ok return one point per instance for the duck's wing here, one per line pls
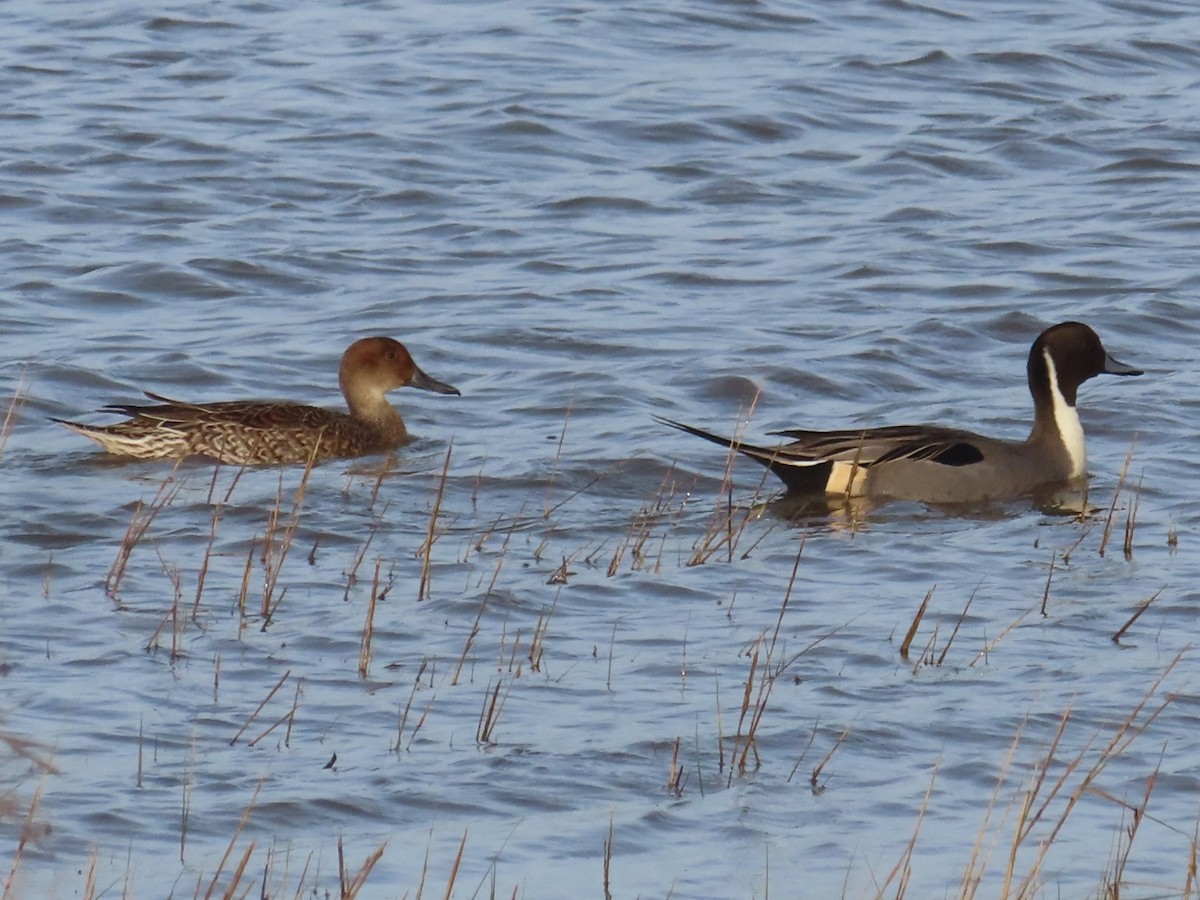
(875, 446)
(252, 414)
(812, 458)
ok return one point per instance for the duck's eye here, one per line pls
(391, 354)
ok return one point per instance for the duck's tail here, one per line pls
(796, 472)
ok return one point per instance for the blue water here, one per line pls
(582, 216)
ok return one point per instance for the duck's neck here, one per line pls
(1056, 420)
(373, 408)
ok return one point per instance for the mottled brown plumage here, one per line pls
(266, 432)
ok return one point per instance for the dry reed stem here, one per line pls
(408, 706)
(287, 717)
(454, 869)
(17, 401)
(957, 625)
(766, 681)
(384, 468)
(537, 648)
(1125, 733)
(720, 531)
(241, 825)
(991, 645)
(1126, 835)
(244, 590)
(185, 799)
(815, 779)
(364, 648)
(28, 832)
(1137, 613)
(272, 558)
(426, 551)
(812, 736)
(1112, 507)
(489, 714)
(1070, 551)
(973, 874)
(474, 633)
(259, 709)
(349, 887)
(139, 523)
(608, 856)
(89, 878)
(28, 750)
(547, 509)
(677, 774)
(291, 716)
(902, 871)
(916, 623)
(352, 575)
(612, 644)
(1046, 590)
(926, 656)
(203, 573)
(1131, 520)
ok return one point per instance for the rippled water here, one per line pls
(583, 215)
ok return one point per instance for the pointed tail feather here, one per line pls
(797, 473)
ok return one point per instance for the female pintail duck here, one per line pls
(258, 432)
(948, 465)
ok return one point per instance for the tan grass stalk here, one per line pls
(537, 644)
(241, 825)
(1112, 507)
(408, 706)
(721, 529)
(291, 717)
(185, 800)
(273, 556)
(364, 647)
(547, 509)
(489, 714)
(203, 573)
(1137, 613)
(14, 404)
(352, 575)
(812, 736)
(608, 856)
(28, 832)
(1046, 591)
(901, 873)
(957, 624)
(612, 644)
(973, 874)
(677, 774)
(1131, 520)
(458, 857)
(426, 551)
(916, 623)
(350, 886)
(991, 645)
(814, 781)
(244, 590)
(1036, 803)
(259, 709)
(1126, 836)
(139, 523)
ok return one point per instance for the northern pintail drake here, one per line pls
(934, 464)
(264, 432)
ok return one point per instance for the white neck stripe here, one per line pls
(1066, 419)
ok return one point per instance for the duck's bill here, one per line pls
(425, 383)
(1115, 367)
